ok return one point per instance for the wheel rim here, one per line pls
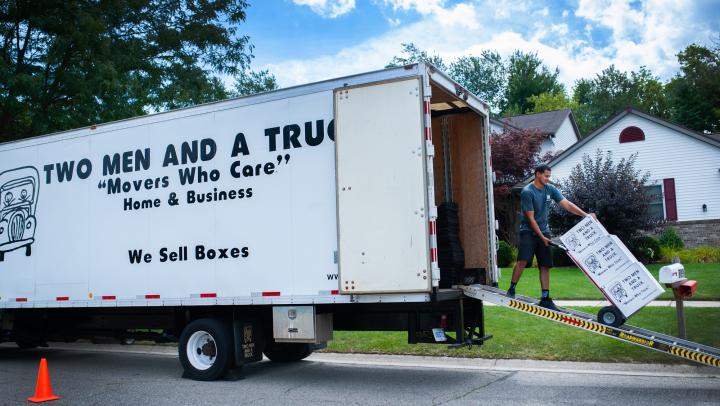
(201, 350)
(609, 318)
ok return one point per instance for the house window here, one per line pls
(631, 134)
(656, 208)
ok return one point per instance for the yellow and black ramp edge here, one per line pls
(559, 317)
(654, 343)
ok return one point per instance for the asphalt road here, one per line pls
(109, 375)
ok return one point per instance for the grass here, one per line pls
(570, 283)
(520, 336)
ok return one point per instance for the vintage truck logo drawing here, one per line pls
(618, 292)
(592, 264)
(19, 189)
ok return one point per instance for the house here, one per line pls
(558, 126)
(684, 169)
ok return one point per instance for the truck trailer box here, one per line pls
(321, 194)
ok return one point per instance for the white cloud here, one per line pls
(328, 8)
(565, 13)
(649, 36)
(394, 22)
(544, 12)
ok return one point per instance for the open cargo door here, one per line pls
(381, 188)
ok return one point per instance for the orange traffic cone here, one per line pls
(43, 391)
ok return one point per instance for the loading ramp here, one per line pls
(634, 335)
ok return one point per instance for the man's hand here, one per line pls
(545, 240)
(593, 216)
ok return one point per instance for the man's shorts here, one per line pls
(531, 245)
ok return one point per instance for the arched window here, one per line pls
(632, 134)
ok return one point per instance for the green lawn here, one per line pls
(518, 335)
(571, 283)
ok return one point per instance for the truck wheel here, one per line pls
(26, 345)
(287, 352)
(206, 349)
(611, 316)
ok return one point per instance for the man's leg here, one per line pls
(544, 263)
(545, 277)
(526, 252)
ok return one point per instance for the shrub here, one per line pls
(560, 257)
(646, 249)
(671, 239)
(505, 255)
(614, 191)
(702, 254)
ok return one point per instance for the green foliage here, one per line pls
(695, 94)
(505, 255)
(698, 255)
(645, 248)
(68, 64)
(611, 91)
(671, 239)
(252, 82)
(484, 75)
(527, 77)
(413, 54)
(615, 192)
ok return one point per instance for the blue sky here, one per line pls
(302, 41)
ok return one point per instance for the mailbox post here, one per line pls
(673, 276)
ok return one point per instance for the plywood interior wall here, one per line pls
(468, 181)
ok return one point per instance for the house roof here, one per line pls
(711, 139)
(503, 124)
(548, 122)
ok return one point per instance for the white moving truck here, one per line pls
(254, 225)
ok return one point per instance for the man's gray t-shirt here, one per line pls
(538, 200)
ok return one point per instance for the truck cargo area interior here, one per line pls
(460, 189)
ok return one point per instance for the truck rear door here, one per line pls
(382, 209)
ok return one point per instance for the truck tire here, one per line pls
(206, 349)
(287, 352)
(611, 316)
(26, 345)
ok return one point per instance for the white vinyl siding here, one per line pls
(665, 153)
(565, 136)
(495, 129)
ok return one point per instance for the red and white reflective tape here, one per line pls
(108, 297)
(265, 294)
(62, 298)
(328, 292)
(150, 296)
(21, 299)
(205, 295)
(428, 120)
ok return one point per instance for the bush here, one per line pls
(671, 239)
(505, 255)
(646, 249)
(702, 254)
(614, 191)
(560, 257)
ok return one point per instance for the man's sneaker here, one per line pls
(510, 294)
(548, 304)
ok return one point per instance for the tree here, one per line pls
(71, 63)
(611, 91)
(484, 75)
(514, 155)
(615, 192)
(252, 82)
(695, 95)
(527, 77)
(413, 54)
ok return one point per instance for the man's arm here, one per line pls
(572, 208)
(534, 225)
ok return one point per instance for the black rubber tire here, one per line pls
(26, 345)
(222, 335)
(611, 316)
(287, 352)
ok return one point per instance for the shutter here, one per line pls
(670, 201)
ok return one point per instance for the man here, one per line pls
(534, 237)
